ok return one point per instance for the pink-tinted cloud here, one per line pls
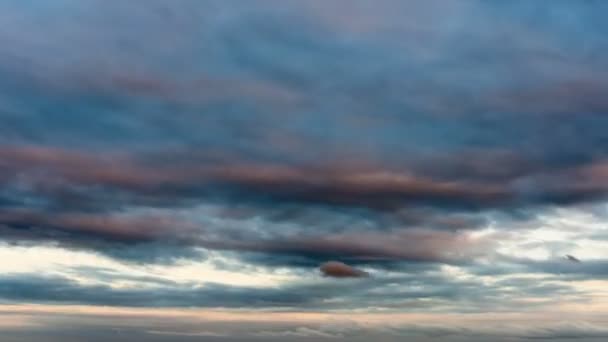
(336, 269)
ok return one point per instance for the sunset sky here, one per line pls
(303, 170)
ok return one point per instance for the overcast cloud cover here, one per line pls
(314, 170)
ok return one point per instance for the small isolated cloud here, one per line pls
(336, 269)
(572, 258)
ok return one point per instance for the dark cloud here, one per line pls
(135, 238)
(326, 184)
(573, 258)
(359, 212)
(69, 176)
(153, 237)
(336, 269)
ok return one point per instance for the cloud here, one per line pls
(120, 324)
(590, 269)
(336, 269)
(399, 137)
(136, 238)
(572, 258)
(161, 237)
(327, 184)
(427, 289)
(77, 178)
(406, 245)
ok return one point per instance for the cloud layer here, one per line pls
(444, 156)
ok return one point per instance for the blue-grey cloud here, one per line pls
(419, 292)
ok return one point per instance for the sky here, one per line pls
(303, 170)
